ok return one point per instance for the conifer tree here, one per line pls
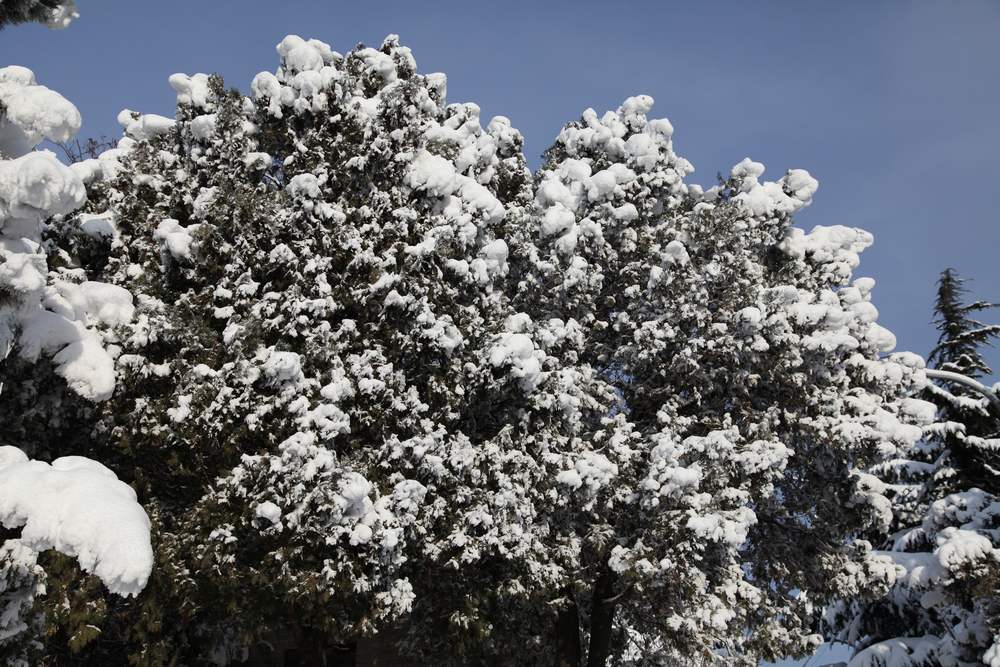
(970, 458)
(337, 419)
(379, 379)
(720, 488)
(940, 558)
(54, 327)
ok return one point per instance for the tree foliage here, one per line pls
(939, 558)
(376, 377)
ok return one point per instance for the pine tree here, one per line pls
(940, 556)
(959, 346)
(970, 459)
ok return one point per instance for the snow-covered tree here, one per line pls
(720, 490)
(38, 314)
(51, 324)
(970, 425)
(941, 555)
(76, 507)
(376, 378)
(53, 13)
(339, 419)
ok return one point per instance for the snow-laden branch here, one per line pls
(967, 382)
(48, 312)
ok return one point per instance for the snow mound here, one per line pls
(80, 508)
(32, 113)
(35, 186)
(48, 313)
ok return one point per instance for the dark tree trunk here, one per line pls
(602, 616)
(568, 653)
(342, 655)
(313, 649)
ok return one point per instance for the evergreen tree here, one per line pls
(376, 378)
(52, 346)
(959, 346)
(720, 488)
(337, 419)
(968, 423)
(940, 557)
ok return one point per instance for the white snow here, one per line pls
(80, 508)
(518, 351)
(269, 511)
(32, 113)
(77, 351)
(191, 90)
(35, 186)
(176, 239)
(52, 314)
(142, 127)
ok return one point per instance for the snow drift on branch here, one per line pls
(50, 312)
(80, 508)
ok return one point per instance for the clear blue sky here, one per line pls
(893, 106)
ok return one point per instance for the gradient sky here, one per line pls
(893, 106)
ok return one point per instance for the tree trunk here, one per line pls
(602, 616)
(313, 649)
(568, 652)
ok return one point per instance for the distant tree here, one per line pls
(940, 558)
(962, 340)
(960, 343)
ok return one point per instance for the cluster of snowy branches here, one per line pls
(370, 374)
(74, 505)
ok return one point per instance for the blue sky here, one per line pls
(893, 106)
